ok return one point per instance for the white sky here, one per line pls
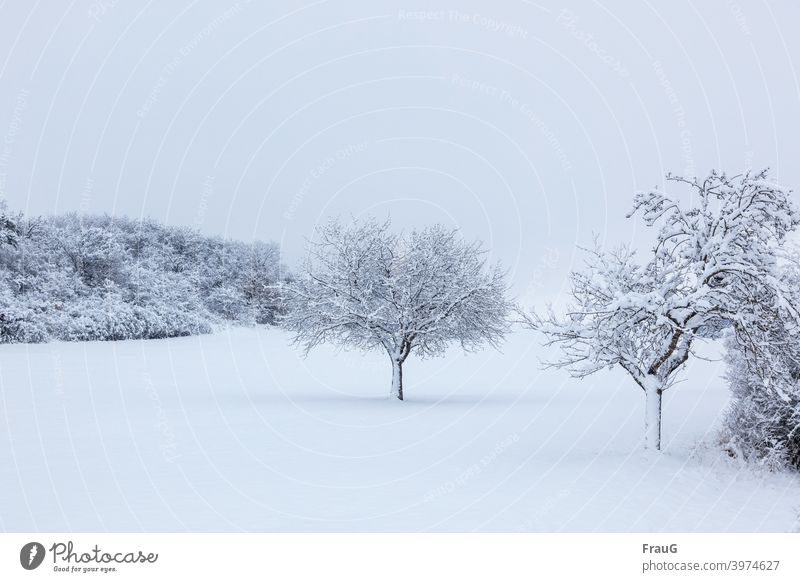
(529, 127)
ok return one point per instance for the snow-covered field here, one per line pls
(236, 431)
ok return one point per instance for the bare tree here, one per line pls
(361, 286)
(710, 265)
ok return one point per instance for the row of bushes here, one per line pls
(78, 278)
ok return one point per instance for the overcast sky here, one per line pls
(528, 126)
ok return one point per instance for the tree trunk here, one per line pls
(652, 415)
(397, 379)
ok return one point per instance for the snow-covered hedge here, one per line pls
(762, 424)
(77, 278)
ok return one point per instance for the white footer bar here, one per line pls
(400, 557)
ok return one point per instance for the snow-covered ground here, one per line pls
(236, 431)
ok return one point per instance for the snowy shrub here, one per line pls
(21, 322)
(762, 424)
(228, 302)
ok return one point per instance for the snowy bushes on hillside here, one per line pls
(713, 267)
(364, 287)
(74, 278)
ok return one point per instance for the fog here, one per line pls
(527, 126)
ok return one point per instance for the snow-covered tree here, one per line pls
(8, 227)
(362, 286)
(259, 278)
(712, 263)
(93, 250)
(762, 423)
